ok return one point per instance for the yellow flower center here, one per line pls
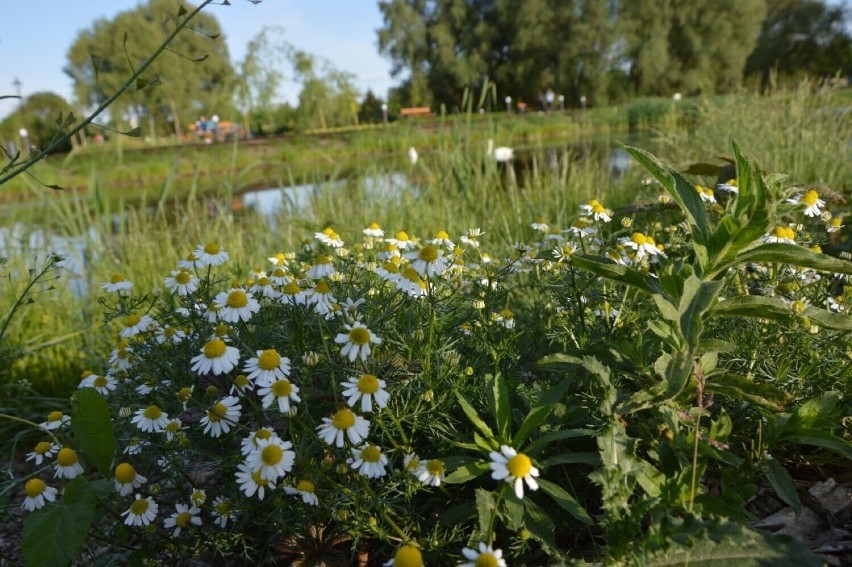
(435, 467)
(116, 278)
(173, 426)
(279, 273)
(54, 416)
(241, 381)
(223, 508)
(322, 287)
(255, 476)
(323, 259)
(182, 519)
(368, 384)
(391, 267)
(359, 336)
(442, 235)
(411, 274)
(41, 448)
(264, 281)
(217, 412)
(292, 288)
(66, 457)
(798, 306)
(262, 434)
(125, 473)
(507, 314)
(169, 332)
(598, 208)
(408, 556)
(132, 320)
(429, 253)
(281, 388)
(519, 466)
(810, 198)
(237, 299)
(214, 348)
(212, 248)
(343, 419)
(486, 560)
(374, 226)
(152, 412)
(221, 329)
(305, 486)
(402, 236)
(183, 277)
(412, 464)
(184, 394)
(100, 382)
(579, 223)
(34, 487)
(328, 231)
(269, 359)
(639, 238)
(371, 454)
(139, 506)
(271, 455)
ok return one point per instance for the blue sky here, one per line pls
(35, 36)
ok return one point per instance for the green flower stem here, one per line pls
(493, 518)
(31, 424)
(60, 140)
(386, 517)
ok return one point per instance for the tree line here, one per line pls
(598, 51)
(607, 50)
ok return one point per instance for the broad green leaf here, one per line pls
(559, 362)
(697, 298)
(457, 514)
(685, 195)
(616, 272)
(484, 510)
(783, 484)
(54, 534)
(793, 255)
(560, 435)
(739, 387)
(820, 438)
(565, 501)
(513, 510)
(92, 428)
(538, 414)
(474, 418)
(572, 458)
(466, 472)
(772, 308)
(813, 410)
(498, 400)
(540, 525)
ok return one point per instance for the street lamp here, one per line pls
(508, 105)
(384, 113)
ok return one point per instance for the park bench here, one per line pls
(415, 111)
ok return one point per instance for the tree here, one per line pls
(328, 98)
(370, 109)
(802, 37)
(196, 75)
(38, 114)
(262, 73)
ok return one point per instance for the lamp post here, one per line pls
(384, 113)
(508, 105)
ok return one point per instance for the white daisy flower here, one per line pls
(236, 305)
(181, 282)
(411, 463)
(135, 446)
(410, 282)
(564, 252)
(67, 464)
(374, 230)
(172, 427)
(37, 493)
(223, 510)
(431, 472)
(343, 422)
(329, 238)
(121, 358)
(367, 388)
(781, 234)
(596, 210)
(141, 512)
(241, 385)
(706, 194)
(644, 246)
(402, 241)
(513, 467)
(293, 294)
(813, 204)
(321, 298)
(279, 276)
(834, 224)
(43, 450)
(221, 416)
(280, 392)
(216, 357)
(117, 284)
(198, 497)
(368, 460)
(442, 239)
(272, 458)
(485, 555)
(389, 271)
(356, 342)
(429, 261)
(406, 556)
(169, 335)
(251, 483)
(581, 227)
(730, 186)
(389, 251)
(190, 262)
(249, 444)
(151, 419)
(103, 384)
(267, 366)
(135, 324)
(306, 490)
(540, 226)
(471, 237)
(210, 254)
(264, 288)
(184, 516)
(126, 479)
(55, 420)
(279, 260)
(322, 268)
